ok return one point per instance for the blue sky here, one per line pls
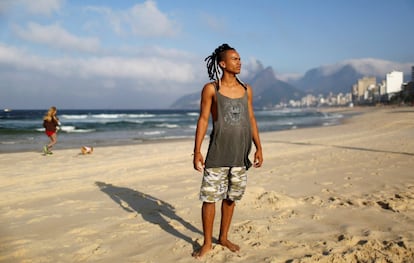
(146, 54)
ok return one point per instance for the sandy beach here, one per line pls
(327, 194)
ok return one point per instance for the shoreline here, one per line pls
(36, 147)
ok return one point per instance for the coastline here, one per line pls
(324, 194)
(35, 142)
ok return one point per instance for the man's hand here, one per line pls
(198, 162)
(258, 159)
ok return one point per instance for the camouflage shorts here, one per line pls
(223, 183)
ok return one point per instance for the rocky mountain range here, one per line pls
(269, 90)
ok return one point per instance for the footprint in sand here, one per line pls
(331, 202)
(327, 183)
(251, 233)
(397, 203)
(357, 249)
(400, 202)
(275, 201)
(316, 217)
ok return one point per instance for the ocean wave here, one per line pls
(73, 129)
(334, 116)
(121, 115)
(136, 121)
(153, 132)
(81, 131)
(167, 125)
(74, 117)
(69, 129)
(177, 137)
(146, 115)
(8, 142)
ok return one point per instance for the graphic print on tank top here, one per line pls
(233, 112)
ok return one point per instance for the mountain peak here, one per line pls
(366, 66)
(341, 76)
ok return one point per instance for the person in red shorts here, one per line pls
(50, 123)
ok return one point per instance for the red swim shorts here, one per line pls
(50, 133)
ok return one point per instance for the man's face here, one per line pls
(232, 62)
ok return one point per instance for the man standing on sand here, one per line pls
(230, 103)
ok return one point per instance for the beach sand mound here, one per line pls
(351, 250)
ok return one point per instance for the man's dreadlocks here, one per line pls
(213, 68)
(213, 60)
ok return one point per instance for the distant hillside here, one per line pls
(267, 91)
(340, 77)
(189, 101)
(316, 82)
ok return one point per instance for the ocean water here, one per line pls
(21, 130)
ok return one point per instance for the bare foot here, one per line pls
(226, 243)
(202, 251)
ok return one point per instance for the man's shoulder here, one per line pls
(209, 87)
(211, 84)
(246, 85)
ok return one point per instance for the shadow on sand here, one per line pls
(150, 208)
(345, 147)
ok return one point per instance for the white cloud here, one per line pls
(148, 81)
(57, 37)
(155, 51)
(144, 20)
(42, 7)
(287, 77)
(148, 69)
(251, 67)
(379, 67)
(37, 7)
(369, 66)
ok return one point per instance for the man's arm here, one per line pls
(258, 156)
(202, 124)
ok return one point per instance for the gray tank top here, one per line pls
(231, 137)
